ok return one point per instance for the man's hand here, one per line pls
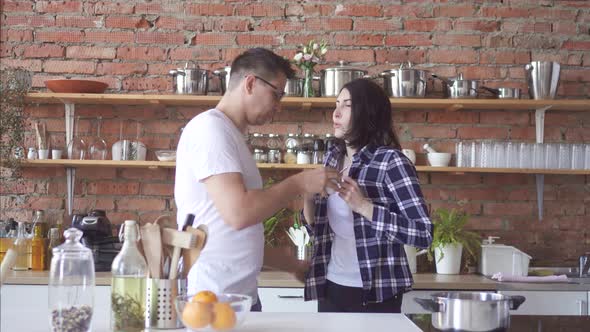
(318, 180)
(300, 270)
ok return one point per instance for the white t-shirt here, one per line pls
(231, 260)
(343, 267)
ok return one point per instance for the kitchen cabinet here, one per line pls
(32, 300)
(551, 303)
(285, 300)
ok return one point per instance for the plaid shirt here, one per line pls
(400, 217)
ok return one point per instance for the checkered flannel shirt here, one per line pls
(400, 216)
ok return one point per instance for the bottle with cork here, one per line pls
(38, 249)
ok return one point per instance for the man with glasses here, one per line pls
(217, 180)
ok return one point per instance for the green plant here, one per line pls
(449, 229)
(270, 226)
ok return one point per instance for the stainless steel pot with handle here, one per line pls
(405, 82)
(473, 312)
(543, 79)
(333, 79)
(223, 74)
(294, 87)
(504, 93)
(458, 88)
(193, 81)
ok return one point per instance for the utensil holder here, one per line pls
(160, 295)
(303, 253)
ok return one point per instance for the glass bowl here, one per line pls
(227, 313)
(166, 155)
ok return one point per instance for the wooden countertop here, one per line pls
(279, 279)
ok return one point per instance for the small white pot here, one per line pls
(451, 259)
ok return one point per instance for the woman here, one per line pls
(359, 264)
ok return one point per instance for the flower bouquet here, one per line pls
(306, 58)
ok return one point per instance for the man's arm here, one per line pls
(241, 208)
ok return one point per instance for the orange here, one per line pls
(205, 297)
(196, 315)
(224, 317)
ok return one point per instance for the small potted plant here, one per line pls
(450, 238)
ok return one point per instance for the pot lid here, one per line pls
(343, 67)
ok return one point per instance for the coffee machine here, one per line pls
(98, 237)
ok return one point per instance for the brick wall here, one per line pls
(131, 45)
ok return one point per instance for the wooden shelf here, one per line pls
(172, 164)
(310, 103)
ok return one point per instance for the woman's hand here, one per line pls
(351, 193)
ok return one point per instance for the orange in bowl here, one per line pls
(207, 311)
(204, 297)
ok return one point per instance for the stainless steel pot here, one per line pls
(333, 79)
(543, 79)
(504, 93)
(474, 312)
(405, 82)
(193, 81)
(294, 87)
(458, 88)
(223, 74)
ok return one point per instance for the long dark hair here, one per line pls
(371, 122)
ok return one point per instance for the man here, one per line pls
(217, 179)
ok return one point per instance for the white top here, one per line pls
(343, 268)
(231, 260)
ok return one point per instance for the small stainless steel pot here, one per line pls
(458, 88)
(294, 87)
(193, 81)
(405, 82)
(333, 79)
(474, 312)
(223, 75)
(504, 93)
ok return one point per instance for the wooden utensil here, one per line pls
(179, 240)
(7, 263)
(189, 256)
(152, 247)
(166, 221)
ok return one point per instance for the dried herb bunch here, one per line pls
(14, 85)
(129, 313)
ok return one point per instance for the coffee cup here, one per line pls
(56, 154)
(410, 154)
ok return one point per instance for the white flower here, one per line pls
(307, 57)
(315, 46)
(305, 49)
(324, 50)
(298, 57)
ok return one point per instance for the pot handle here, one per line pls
(516, 301)
(429, 305)
(372, 77)
(386, 74)
(494, 91)
(175, 72)
(446, 80)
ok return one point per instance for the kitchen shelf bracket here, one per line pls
(540, 178)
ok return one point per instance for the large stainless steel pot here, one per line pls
(333, 79)
(504, 93)
(458, 88)
(193, 81)
(294, 87)
(405, 82)
(223, 74)
(474, 312)
(543, 79)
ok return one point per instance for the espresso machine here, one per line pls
(98, 237)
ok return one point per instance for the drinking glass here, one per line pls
(512, 155)
(587, 156)
(499, 159)
(538, 155)
(578, 155)
(565, 156)
(98, 148)
(526, 155)
(77, 146)
(474, 150)
(551, 156)
(486, 154)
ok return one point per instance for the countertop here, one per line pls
(422, 281)
(524, 323)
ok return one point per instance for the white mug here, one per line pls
(43, 154)
(56, 154)
(410, 154)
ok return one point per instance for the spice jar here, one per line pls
(274, 156)
(273, 142)
(329, 141)
(258, 141)
(292, 141)
(303, 156)
(307, 141)
(71, 285)
(318, 152)
(259, 156)
(290, 156)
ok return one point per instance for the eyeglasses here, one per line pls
(277, 92)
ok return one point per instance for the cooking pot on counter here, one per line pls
(458, 88)
(223, 74)
(193, 81)
(333, 79)
(473, 312)
(405, 82)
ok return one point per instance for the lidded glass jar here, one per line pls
(273, 142)
(71, 285)
(257, 141)
(292, 141)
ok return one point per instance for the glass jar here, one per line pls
(71, 285)
(290, 156)
(22, 245)
(330, 140)
(274, 156)
(307, 142)
(318, 151)
(303, 156)
(258, 141)
(273, 142)
(292, 141)
(128, 286)
(259, 156)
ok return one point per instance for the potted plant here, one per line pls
(450, 238)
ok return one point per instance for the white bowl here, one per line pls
(166, 155)
(439, 159)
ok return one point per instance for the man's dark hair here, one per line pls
(261, 62)
(371, 121)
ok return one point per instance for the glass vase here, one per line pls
(308, 82)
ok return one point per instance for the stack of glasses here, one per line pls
(523, 155)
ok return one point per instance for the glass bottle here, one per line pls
(21, 246)
(98, 149)
(54, 241)
(129, 270)
(38, 255)
(71, 285)
(39, 220)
